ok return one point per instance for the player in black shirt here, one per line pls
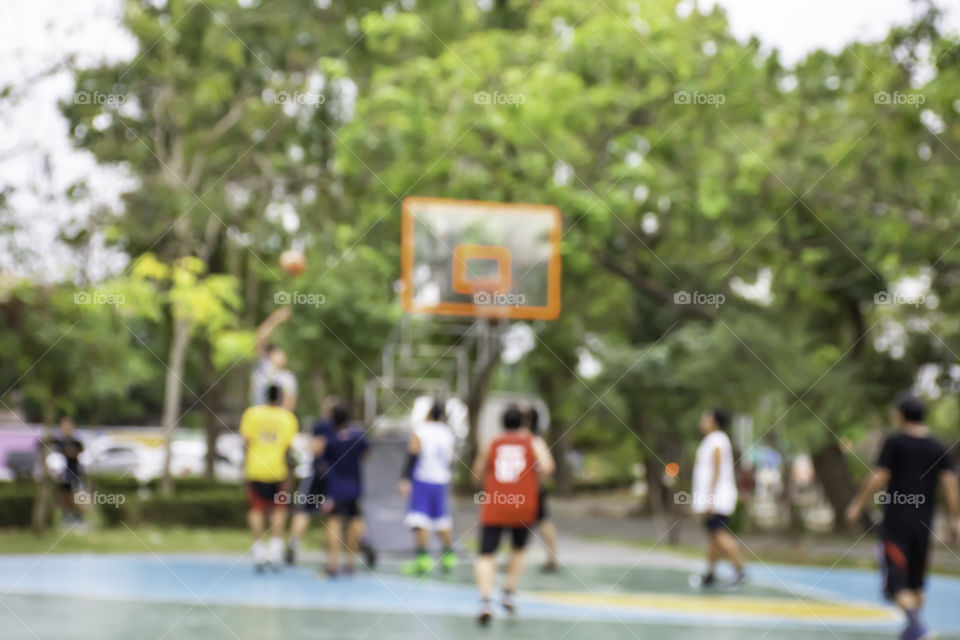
(910, 466)
(69, 481)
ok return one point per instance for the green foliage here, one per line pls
(683, 160)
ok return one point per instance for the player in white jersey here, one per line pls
(426, 480)
(715, 495)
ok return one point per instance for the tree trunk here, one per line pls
(173, 390)
(563, 475)
(655, 502)
(319, 385)
(211, 428)
(834, 476)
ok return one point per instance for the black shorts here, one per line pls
(490, 538)
(905, 555)
(310, 494)
(349, 509)
(542, 512)
(264, 496)
(716, 522)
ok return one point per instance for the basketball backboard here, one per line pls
(483, 259)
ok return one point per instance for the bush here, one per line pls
(206, 509)
(195, 502)
(16, 504)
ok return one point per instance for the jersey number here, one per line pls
(510, 462)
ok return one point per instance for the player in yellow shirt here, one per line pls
(267, 432)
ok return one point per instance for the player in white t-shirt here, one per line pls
(426, 480)
(714, 495)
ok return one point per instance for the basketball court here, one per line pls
(191, 596)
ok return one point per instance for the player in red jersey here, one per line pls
(510, 466)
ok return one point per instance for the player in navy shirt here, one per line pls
(344, 448)
(313, 488)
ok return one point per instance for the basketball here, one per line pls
(293, 262)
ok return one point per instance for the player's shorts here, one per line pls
(716, 522)
(69, 486)
(542, 512)
(349, 509)
(263, 496)
(490, 538)
(428, 507)
(905, 555)
(311, 492)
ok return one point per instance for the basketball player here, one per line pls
(547, 529)
(715, 496)
(267, 432)
(271, 367)
(426, 480)
(910, 466)
(510, 467)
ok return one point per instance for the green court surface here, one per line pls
(110, 597)
(71, 619)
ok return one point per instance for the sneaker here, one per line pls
(509, 602)
(369, 554)
(449, 561)
(702, 581)
(331, 572)
(738, 580)
(486, 614)
(290, 556)
(259, 567)
(549, 567)
(419, 566)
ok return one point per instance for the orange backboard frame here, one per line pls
(464, 252)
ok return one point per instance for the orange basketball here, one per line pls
(293, 262)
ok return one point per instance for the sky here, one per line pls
(37, 158)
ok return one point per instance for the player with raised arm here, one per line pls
(267, 432)
(271, 367)
(910, 466)
(426, 481)
(714, 496)
(510, 468)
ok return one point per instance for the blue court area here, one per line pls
(189, 596)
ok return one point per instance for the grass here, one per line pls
(126, 540)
